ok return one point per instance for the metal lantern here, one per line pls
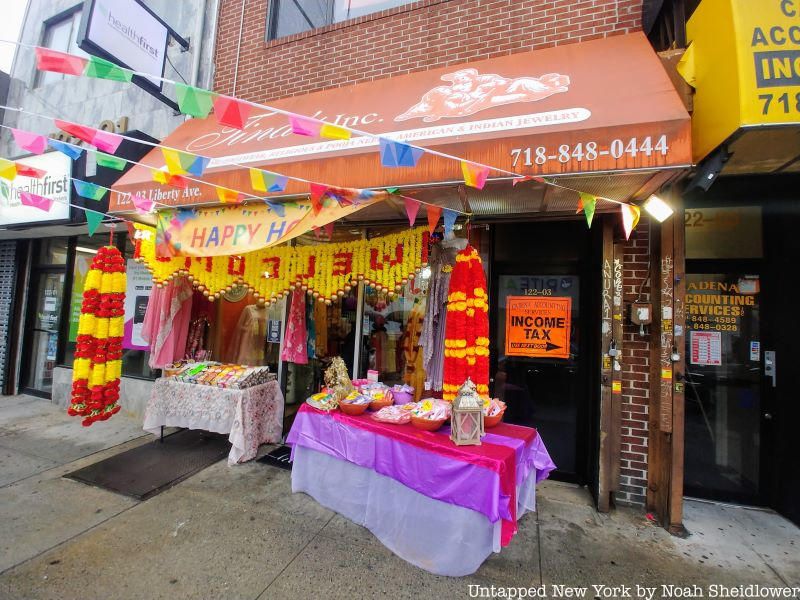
(466, 423)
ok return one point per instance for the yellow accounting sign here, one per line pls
(744, 63)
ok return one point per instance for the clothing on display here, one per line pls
(294, 342)
(442, 261)
(197, 340)
(247, 344)
(166, 322)
(414, 371)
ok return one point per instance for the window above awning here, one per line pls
(597, 107)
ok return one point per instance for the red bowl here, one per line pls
(376, 405)
(427, 424)
(353, 409)
(489, 422)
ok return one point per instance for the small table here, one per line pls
(441, 507)
(252, 416)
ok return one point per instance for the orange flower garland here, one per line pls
(98, 350)
(466, 343)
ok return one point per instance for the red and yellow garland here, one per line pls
(466, 343)
(98, 351)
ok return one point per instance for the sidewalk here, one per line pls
(239, 532)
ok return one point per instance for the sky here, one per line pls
(13, 11)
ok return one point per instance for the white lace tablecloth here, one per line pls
(252, 416)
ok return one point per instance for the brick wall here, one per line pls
(415, 37)
(635, 373)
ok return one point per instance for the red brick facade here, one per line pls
(428, 34)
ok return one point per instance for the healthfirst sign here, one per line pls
(538, 327)
(744, 63)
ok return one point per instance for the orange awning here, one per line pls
(598, 106)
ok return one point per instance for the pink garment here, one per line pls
(166, 322)
(294, 341)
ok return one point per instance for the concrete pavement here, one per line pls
(239, 532)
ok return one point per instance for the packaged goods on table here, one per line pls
(393, 414)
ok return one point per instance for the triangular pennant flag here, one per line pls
(474, 175)
(392, 190)
(59, 62)
(28, 171)
(278, 208)
(177, 181)
(449, 221)
(8, 169)
(434, 212)
(329, 230)
(398, 154)
(142, 204)
(109, 161)
(193, 101)
(177, 162)
(89, 190)
(412, 208)
(231, 112)
(264, 181)
(31, 142)
(228, 196)
(159, 176)
(305, 126)
(72, 151)
(630, 218)
(85, 134)
(317, 231)
(93, 220)
(334, 132)
(199, 165)
(106, 141)
(36, 201)
(100, 68)
(318, 190)
(588, 203)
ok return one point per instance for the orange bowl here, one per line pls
(427, 424)
(379, 404)
(353, 409)
(489, 422)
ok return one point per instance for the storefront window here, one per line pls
(724, 232)
(52, 251)
(288, 17)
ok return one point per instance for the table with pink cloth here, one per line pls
(251, 416)
(441, 507)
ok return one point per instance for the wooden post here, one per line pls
(604, 473)
(616, 380)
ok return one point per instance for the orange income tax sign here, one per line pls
(538, 327)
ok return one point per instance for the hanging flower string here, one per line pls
(97, 367)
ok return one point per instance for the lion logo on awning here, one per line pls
(470, 92)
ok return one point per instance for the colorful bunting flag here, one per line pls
(264, 181)
(59, 62)
(109, 161)
(231, 112)
(28, 171)
(278, 208)
(93, 220)
(31, 142)
(142, 204)
(329, 230)
(159, 176)
(449, 221)
(630, 218)
(78, 131)
(182, 163)
(89, 190)
(398, 154)
(434, 212)
(8, 169)
(334, 132)
(587, 204)
(474, 175)
(318, 190)
(228, 196)
(100, 68)
(412, 208)
(36, 201)
(177, 181)
(106, 141)
(72, 151)
(305, 126)
(193, 101)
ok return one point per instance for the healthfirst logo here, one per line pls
(129, 31)
(50, 187)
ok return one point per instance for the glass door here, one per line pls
(39, 357)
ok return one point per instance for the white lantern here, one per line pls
(466, 423)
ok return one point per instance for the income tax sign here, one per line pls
(538, 327)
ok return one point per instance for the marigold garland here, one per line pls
(97, 368)
(466, 343)
(326, 271)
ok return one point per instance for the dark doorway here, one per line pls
(542, 340)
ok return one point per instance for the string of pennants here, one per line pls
(234, 112)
